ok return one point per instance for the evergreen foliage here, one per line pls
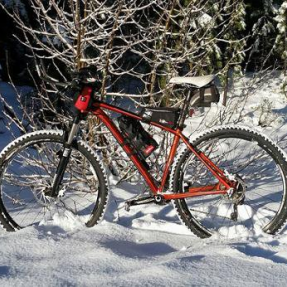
(262, 28)
(143, 43)
(281, 39)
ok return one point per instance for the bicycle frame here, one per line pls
(223, 186)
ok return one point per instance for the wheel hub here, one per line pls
(43, 195)
(237, 194)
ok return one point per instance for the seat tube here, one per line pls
(170, 158)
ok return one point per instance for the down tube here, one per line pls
(130, 152)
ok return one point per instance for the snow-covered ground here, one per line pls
(148, 246)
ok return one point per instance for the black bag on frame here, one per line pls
(165, 116)
(141, 140)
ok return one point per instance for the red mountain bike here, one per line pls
(227, 177)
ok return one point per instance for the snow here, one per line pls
(8, 93)
(281, 18)
(204, 19)
(148, 246)
(126, 253)
(16, 4)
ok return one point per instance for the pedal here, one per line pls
(138, 201)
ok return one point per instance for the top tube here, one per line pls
(102, 105)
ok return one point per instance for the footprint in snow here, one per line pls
(138, 250)
(255, 251)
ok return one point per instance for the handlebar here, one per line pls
(54, 82)
(85, 76)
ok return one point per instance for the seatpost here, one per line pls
(185, 108)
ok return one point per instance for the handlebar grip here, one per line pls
(54, 82)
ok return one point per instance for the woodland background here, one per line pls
(137, 46)
(144, 41)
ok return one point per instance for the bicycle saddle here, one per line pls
(198, 82)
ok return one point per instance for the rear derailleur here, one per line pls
(237, 197)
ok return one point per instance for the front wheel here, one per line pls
(28, 166)
(258, 165)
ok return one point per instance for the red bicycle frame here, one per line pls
(222, 187)
(85, 104)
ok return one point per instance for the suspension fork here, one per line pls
(65, 157)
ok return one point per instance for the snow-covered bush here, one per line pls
(140, 42)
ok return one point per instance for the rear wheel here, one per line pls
(28, 166)
(259, 167)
